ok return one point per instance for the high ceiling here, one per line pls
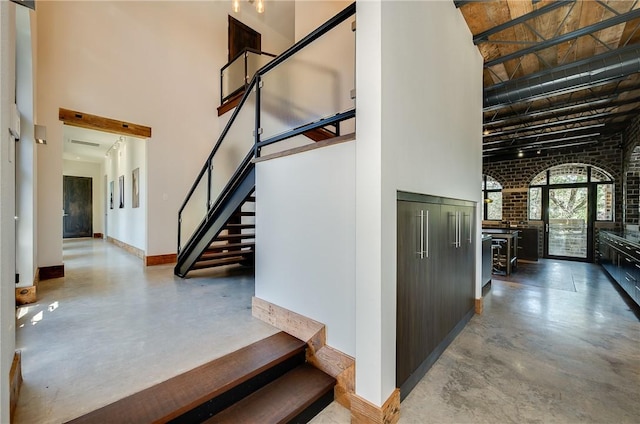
(557, 74)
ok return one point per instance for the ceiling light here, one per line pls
(259, 4)
(520, 154)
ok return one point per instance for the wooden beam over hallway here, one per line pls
(100, 123)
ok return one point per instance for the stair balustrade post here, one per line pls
(209, 166)
(258, 130)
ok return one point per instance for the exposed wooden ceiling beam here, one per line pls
(99, 123)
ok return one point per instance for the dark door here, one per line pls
(569, 219)
(78, 207)
(417, 286)
(241, 36)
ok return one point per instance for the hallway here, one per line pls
(556, 342)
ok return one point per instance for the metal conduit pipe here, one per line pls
(608, 66)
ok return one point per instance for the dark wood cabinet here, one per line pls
(528, 244)
(435, 280)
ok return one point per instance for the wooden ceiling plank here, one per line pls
(527, 64)
(566, 51)
(100, 123)
(591, 13)
(610, 37)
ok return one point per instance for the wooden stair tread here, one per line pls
(244, 213)
(172, 398)
(229, 246)
(281, 400)
(218, 262)
(235, 236)
(240, 226)
(319, 134)
(206, 256)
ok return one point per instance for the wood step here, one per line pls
(240, 226)
(206, 256)
(281, 401)
(235, 236)
(219, 262)
(244, 213)
(319, 134)
(229, 246)
(212, 386)
(250, 199)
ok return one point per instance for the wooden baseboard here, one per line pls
(479, 306)
(297, 325)
(50, 272)
(15, 382)
(340, 366)
(98, 235)
(25, 295)
(131, 249)
(337, 364)
(171, 258)
(364, 412)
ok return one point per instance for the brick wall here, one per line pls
(515, 176)
(631, 201)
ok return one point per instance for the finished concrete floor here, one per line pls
(556, 342)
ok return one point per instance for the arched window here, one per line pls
(573, 174)
(492, 195)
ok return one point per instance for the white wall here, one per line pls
(7, 205)
(419, 129)
(305, 238)
(305, 222)
(95, 171)
(151, 63)
(126, 224)
(26, 149)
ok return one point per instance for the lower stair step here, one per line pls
(208, 389)
(297, 396)
(219, 262)
(228, 246)
(236, 236)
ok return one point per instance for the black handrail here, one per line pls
(215, 148)
(243, 51)
(319, 32)
(326, 27)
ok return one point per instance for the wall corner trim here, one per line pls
(15, 382)
(479, 307)
(363, 411)
(50, 272)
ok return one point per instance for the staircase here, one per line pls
(236, 242)
(215, 225)
(265, 382)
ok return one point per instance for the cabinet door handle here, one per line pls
(470, 236)
(459, 228)
(421, 247)
(427, 236)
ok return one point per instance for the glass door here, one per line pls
(567, 226)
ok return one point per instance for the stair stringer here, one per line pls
(216, 222)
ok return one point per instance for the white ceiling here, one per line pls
(75, 145)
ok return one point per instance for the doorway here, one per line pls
(240, 37)
(77, 195)
(570, 200)
(567, 225)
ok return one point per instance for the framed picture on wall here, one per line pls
(135, 188)
(121, 181)
(111, 195)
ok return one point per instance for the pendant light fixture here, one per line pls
(259, 4)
